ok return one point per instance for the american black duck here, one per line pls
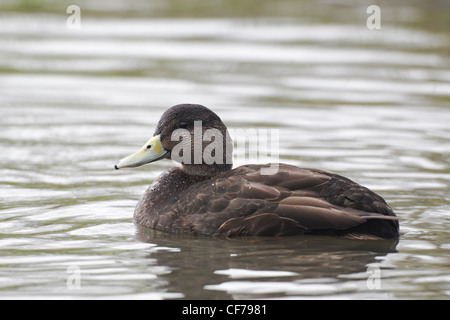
(205, 196)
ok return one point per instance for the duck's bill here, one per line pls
(151, 151)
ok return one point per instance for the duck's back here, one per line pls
(291, 201)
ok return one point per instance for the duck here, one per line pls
(203, 195)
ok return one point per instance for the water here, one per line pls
(372, 105)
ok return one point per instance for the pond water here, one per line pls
(372, 105)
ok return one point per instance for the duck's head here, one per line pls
(189, 134)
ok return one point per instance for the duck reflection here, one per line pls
(196, 260)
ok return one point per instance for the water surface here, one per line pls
(372, 105)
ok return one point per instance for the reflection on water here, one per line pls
(372, 105)
(307, 262)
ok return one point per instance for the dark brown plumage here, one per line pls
(213, 200)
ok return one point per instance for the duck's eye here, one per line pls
(183, 124)
(149, 146)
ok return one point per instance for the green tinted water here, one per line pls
(372, 105)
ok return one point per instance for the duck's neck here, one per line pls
(205, 171)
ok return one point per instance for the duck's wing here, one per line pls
(291, 201)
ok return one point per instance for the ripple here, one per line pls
(245, 273)
(251, 288)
